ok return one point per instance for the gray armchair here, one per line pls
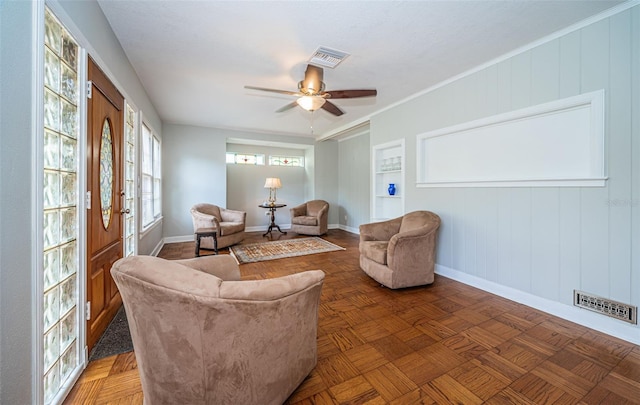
(400, 252)
(310, 218)
(202, 336)
(230, 224)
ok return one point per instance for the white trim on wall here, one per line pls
(350, 229)
(37, 182)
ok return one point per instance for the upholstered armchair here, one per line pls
(310, 218)
(400, 252)
(229, 223)
(202, 336)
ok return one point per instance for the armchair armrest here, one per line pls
(383, 231)
(408, 249)
(201, 220)
(323, 212)
(271, 289)
(232, 215)
(298, 211)
(224, 267)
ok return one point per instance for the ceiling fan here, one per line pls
(312, 96)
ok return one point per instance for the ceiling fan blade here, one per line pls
(287, 107)
(332, 108)
(312, 83)
(352, 93)
(289, 93)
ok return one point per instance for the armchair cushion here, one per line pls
(201, 336)
(375, 250)
(228, 228)
(304, 220)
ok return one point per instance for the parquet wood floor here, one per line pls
(446, 343)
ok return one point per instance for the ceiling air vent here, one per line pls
(611, 308)
(327, 57)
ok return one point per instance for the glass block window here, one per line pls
(295, 161)
(244, 159)
(151, 177)
(129, 181)
(60, 203)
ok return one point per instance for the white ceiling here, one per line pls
(194, 57)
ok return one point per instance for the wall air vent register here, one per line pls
(611, 308)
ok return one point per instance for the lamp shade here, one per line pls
(311, 103)
(272, 182)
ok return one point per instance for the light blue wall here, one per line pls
(16, 214)
(245, 185)
(194, 171)
(326, 177)
(541, 241)
(354, 181)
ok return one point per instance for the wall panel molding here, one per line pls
(560, 143)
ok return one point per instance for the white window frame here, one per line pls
(149, 139)
(274, 158)
(131, 195)
(232, 159)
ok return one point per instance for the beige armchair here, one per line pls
(400, 252)
(201, 336)
(229, 223)
(310, 218)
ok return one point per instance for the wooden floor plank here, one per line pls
(443, 343)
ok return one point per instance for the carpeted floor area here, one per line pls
(115, 340)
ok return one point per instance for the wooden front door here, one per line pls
(104, 183)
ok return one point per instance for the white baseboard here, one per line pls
(191, 237)
(262, 228)
(179, 239)
(157, 249)
(589, 319)
(350, 229)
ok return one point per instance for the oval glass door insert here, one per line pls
(106, 174)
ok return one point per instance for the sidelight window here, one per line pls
(129, 181)
(60, 208)
(151, 178)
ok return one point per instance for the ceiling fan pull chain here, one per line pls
(312, 122)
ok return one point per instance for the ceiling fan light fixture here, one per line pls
(311, 103)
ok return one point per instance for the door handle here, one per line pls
(127, 211)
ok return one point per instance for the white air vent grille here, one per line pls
(613, 309)
(327, 57)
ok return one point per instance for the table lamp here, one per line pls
(272, 183)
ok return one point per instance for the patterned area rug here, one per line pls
(279, 249)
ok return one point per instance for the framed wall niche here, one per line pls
(388, 163)
(560, 143)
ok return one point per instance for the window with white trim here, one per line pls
(129, 181)
(291, 161)
(244, 159)
(151, 178)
